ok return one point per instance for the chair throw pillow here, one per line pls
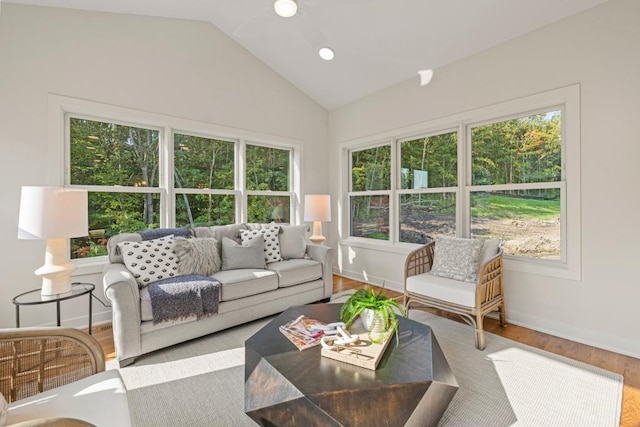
(150, 260)
(293, 243)
(249, 255)
(456, 258)
(198, 256)
(271, 241)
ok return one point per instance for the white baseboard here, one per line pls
(561, 330)
(373, 280)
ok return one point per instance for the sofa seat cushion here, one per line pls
(245, 282)
(296, 271)
(457, 292)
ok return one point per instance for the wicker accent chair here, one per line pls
(33, 360)
(446, 294)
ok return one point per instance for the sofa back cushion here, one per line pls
(115, 255)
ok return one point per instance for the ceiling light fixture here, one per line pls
(425, 77)
(326, 53)
(285, 8)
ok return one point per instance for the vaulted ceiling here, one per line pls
(377, 43)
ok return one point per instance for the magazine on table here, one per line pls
(301, 333)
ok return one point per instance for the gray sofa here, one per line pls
(246, 294)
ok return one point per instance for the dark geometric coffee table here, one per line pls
(413, 384)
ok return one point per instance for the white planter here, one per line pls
(372, 321)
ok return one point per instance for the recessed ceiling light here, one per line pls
(425, 76)
(326, 53)
(285, 8)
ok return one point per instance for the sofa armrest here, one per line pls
(122, 290)
(324, 255)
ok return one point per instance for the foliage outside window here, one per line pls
(268, 184)
(370, 192)
(428, 181)
(512, 187)
(206, 166)
(121, 167)
(521, 160)
(116, 157)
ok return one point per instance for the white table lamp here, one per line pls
(317, 208)
(54, 214)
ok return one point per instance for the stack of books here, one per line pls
(301, 333)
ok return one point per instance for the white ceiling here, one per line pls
(378, 43)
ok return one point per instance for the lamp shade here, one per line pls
(52, 213)
(317, 207)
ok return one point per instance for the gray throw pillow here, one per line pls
(235, 255)
(271, 241)
(197, 256)
(231, 231)
(293, 243)
(456, 258)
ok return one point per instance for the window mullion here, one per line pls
(463, 210)
(167, 194)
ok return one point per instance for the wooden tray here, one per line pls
(363, 353)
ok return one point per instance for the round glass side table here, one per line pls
(34, 297)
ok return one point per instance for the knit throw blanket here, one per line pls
(184, 296)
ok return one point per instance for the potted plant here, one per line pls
(381, 307)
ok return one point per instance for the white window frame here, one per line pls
(567, 99)
(388, 193)
(60, 108)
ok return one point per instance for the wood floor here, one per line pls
(627, 366)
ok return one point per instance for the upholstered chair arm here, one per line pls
(122, 290)
(490, 283)
(36, 359)
(324, 255)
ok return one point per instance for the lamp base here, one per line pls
(317, 236)
(56, 271)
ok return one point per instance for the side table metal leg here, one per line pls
(90, 311)
(17, 316)
(58, 312)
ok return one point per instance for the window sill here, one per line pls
(89, 266)
(379, 245)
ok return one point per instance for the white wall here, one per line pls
(180, 68)
(597, 49)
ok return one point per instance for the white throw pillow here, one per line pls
(293, 242)
(150, 260)
(271, 245)
(456, 258)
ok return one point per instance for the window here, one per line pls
(151, 175)
(204, 180)
(119, 163)
(369, 198)
(518, 161)
(509, 171)
(428, 185)
(268, 184)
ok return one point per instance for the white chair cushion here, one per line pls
(454, 291)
